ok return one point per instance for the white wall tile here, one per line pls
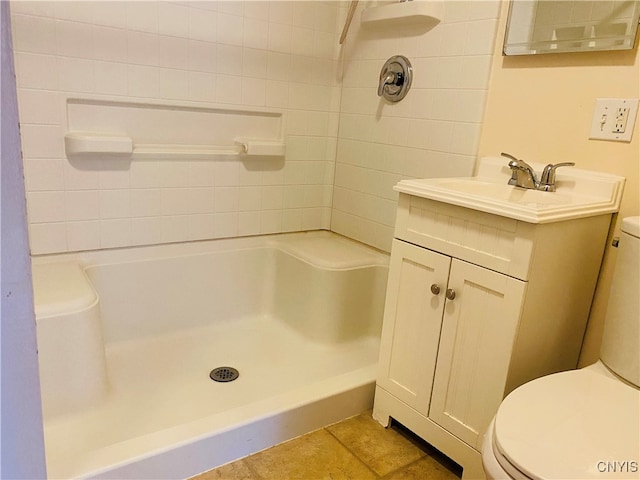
(74, 39)
(202, 87)
(183, 201)
(142, 48)
(115, 233)
(36, 71)
(42, 141)
(254, 63)
(82, 204)
(248, 199)
(83, 177)
(201, 173)
(38, 8)
(47, 237)
(146, 202)
(291, 220)
(109, 44)
(324, 44)
(226, 199)
(41, 107)
(110, 78)
(203, 25)
(302, 68)
(302, 41)
(279, 38)
(143, 16)
(46, 207)
(110, 14)
(146, 231)
(201, 227)
(230, 29)
(225, 225)
(143, 81)
(254, 91)
(44, 174)
(278, 66)
(271, 221)
(249, 223)
(280, 12)
(450, 38)
(480, 37)
(173, 52)
(231, 7)
(115, 204)
(277, 94)
(173, 19)
(75, 74)
(83, 235)
(228, 89)
(229, 59)
(210, 5)
(81, 11)
(255, 33)
(202, 56)
(256, 9)
(33, 34)
(173, 83)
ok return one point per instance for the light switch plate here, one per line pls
(614, 119)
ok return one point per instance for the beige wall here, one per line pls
(539, 109)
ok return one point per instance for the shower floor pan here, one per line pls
(164, 417)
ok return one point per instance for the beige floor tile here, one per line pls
(383, 450)
(237, 470)
(424, 468)
(317, 455)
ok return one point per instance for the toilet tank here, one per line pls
(620, 349)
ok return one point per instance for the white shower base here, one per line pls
(160, 415)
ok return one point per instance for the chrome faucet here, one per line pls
(522, 175)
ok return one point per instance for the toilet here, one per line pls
(580, 424)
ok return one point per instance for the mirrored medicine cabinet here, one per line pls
(555, 26)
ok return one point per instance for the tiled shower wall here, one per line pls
(345, 147)
(275, 55)
(433, 132)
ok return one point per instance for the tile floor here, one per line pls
(358, 448)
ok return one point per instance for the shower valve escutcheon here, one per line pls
(395, 78)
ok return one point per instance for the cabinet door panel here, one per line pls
(478, 330)
(412, 320)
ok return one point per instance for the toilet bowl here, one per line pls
(581, 424)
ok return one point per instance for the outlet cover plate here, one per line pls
(606, 117)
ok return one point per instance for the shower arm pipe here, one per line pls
(347, 23)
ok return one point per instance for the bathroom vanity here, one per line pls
(489, 286)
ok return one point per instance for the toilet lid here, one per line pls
(571, 425)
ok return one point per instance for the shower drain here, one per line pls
(224, 374)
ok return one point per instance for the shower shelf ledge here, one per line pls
(93, 143)
(425, 13)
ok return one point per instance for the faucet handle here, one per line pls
(548, 177)
(513, 164)
(509, 156)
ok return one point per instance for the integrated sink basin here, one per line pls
(579, 193)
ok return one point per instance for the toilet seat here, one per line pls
(578, 424)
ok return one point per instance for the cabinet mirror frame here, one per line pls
(560, 26)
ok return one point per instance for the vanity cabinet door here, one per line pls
(412, 320)
(478, 331)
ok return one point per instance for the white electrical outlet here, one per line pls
(622, 115)
(613, 119)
